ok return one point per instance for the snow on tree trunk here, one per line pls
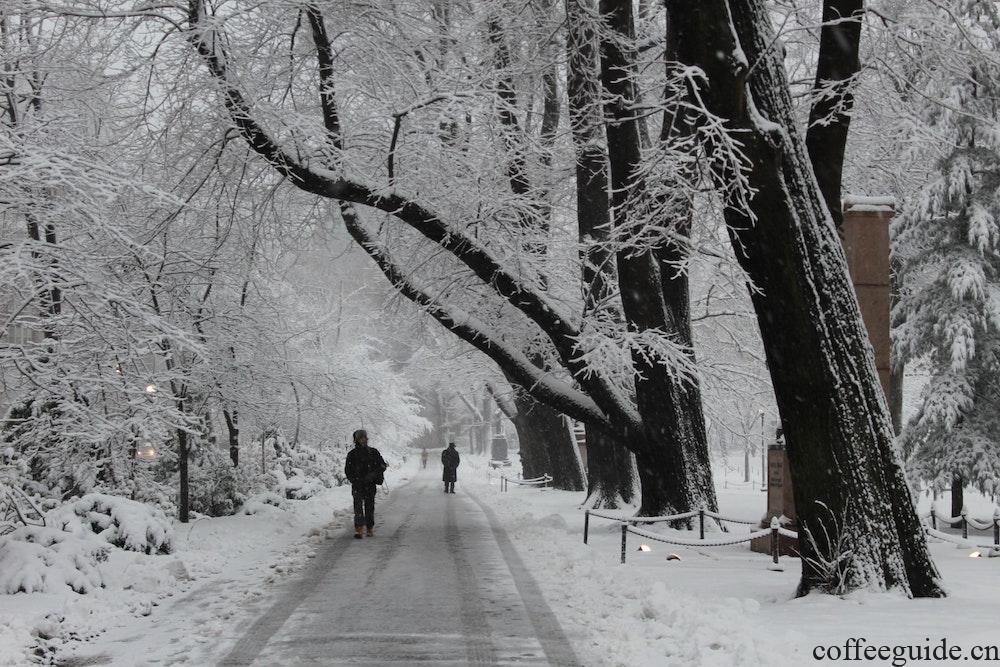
(672, 457)
(610, 474)
(847, 474)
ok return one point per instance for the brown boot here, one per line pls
(357, 532)
(371, 532)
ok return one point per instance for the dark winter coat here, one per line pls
(364, 466)
(450, 460)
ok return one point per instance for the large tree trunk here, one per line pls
(547, 446)
(534, 455)
(610, 471)
(847, 475)
(675, 478)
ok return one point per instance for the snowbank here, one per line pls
(36, 559)
(119, 521)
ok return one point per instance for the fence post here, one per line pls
(774, 539)
(624, 535)
(996, 527)
(965, 523)
(586, 524)
(701, 522)
(933, 517)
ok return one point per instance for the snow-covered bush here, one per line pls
(38, 559)
(217, 488)
(303, 470)
(301, 487)
(122, 522)
(262, 502)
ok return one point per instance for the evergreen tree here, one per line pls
(948, 241)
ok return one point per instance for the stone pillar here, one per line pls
(866, 242)
(780, 501)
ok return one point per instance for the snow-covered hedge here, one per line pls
(38, 559)
(122, 522)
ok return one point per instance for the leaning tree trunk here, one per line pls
(674, 475)
(830, 115)
(847, 475)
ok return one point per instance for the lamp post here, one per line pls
(763, 455)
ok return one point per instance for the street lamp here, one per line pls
(763, 456)
(145, 452)
(150, 388)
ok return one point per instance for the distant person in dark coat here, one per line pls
(423, 458)
(364, 468)
(450, 460)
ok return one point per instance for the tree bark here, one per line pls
(830, 114)
(546, 445)
(233, 427)
(897, 367)
(674, 477)
(610, 470)
(846, 473)
(957, 495)
(184, 504)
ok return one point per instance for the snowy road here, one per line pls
(439, 584)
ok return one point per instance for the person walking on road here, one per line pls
(450, 460)
(423, 458)
(364, 468)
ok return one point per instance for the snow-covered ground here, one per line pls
(719, 606)
(181, 608)
(724, 606)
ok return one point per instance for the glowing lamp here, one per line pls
(975, 554)
(150, 388)
(145, 453)
(644, 547)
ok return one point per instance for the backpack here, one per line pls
(378, 463)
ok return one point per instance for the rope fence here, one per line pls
(544, 480)
(632, 520)
(774, 531)
(964, 520)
